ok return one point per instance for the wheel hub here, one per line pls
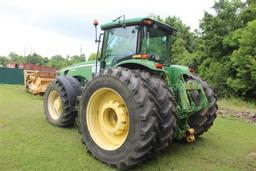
(54, 105)
(107, 118)
(57, 104)
(113, 118)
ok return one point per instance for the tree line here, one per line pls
(223, 49)
(56, 61)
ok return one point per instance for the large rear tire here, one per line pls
(204, 119)
(118, 118)
(60, 101)
(165, 105)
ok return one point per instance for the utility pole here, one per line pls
(30, 51)
(25, 50)
(81, 50)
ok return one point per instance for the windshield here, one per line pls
(121, 42)
(156, 42)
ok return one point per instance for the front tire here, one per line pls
(117, 117)
(204, 119)
(60, 101)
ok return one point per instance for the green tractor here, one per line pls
(131, 102)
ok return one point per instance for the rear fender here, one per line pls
(141, 64)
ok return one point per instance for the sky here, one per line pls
(64, 27)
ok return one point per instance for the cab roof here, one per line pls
(137, 21)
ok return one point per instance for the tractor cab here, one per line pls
(140, 38)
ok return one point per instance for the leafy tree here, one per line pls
(35, 59)
(179, 53)
(92, 56)
(183, 44)
(183, 32)
(243, 82)
(58, 61)
(46, 60)
(76, 59)
(216, 48)
(4, 61)
(14, 58)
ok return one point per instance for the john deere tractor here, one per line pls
(131, 101)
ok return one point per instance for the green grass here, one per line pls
(237, 105)
(28, 142)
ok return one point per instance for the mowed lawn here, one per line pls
(28, 142)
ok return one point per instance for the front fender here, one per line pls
(175, 72)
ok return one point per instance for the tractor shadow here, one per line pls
(174, 153)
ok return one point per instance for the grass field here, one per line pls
(237, 105)
(28, 142)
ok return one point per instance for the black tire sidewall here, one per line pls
(201, 119)
(53, 87)
(127, 147)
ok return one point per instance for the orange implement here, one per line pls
(36, 82)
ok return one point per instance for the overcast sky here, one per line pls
(50, 27)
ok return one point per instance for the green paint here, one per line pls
(182, 90)
(134, 21)
(175, 72)
(146, 63)
(112, 24)
(82, 70)
(178, 78)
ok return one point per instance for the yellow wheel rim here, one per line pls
(54, 105)
(107, 119)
